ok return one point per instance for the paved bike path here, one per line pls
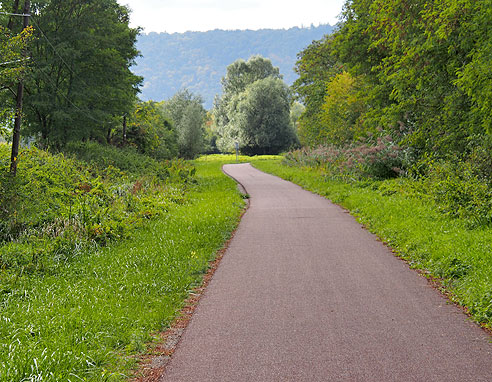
(304, 293)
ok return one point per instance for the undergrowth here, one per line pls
(94, 259)
(57, 206)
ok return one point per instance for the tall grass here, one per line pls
(83, 319)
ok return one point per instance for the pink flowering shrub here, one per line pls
(377, 158)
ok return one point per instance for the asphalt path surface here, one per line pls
(304, 293)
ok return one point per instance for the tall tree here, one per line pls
(81, 80)
(188, 115)
(229, 121)
(315, 66)
(263, 118)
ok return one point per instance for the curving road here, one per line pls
(305, 294)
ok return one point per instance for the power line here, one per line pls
(52, 46)
(15, 14)
(58, 54)
(55, 86)
(14, 62)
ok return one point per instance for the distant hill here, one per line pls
(198, 60)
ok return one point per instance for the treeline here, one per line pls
(77, 78)
(403, 88)
(417, 70)
(198, 60)
(74, 61)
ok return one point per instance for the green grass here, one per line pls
(83, 320)
(444, 246)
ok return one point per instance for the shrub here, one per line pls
(380, 158)
(58, 205)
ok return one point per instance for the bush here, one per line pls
(376, 159)
(58, 205)
(126, 159)
(459, 189)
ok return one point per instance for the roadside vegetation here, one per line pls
(442, 235)
(105, 227)
(94, 259)
(396, 127)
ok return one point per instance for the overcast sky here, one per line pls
(202, 15)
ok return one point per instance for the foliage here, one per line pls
(126, 159)
(57, 206)
(89, 316)
(13, 66)
(341, 110)
(150, 132)
(395, 210)
(254, 109)
(315, 66)
(80, 83)
(459, 191)
(295, 113)
(379, 158)
(188, 115)
(423, 65)
(198, 60)
(263, 118)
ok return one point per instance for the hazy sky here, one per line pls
(202, 15)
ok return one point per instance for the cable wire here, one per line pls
(15, 14)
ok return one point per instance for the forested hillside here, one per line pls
(198, 60)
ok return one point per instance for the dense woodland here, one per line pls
(418, 70)
(403, 88)
(198, 60)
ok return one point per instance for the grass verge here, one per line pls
(445, 247)
(86, 320)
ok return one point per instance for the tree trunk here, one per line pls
(15, 9)
(124, 129)
(18, 111)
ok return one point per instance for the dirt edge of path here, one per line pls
(151, 365)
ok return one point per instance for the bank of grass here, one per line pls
(82, 320)
(412, 225)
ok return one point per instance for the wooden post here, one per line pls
(18, 108)
(124, 129)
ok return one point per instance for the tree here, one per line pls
(263, 118)
(191, 131)
(151, 132)
(242, 73)
(188, 116)
(316, 65)
(296, 111)
(237, 94)
(81, 83)
(13, 62)
(342, 109)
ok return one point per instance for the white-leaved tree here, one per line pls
(188, 116)
(254, 109)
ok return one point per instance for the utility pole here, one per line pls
(15, 10)
(18, 109)
(124, 128)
